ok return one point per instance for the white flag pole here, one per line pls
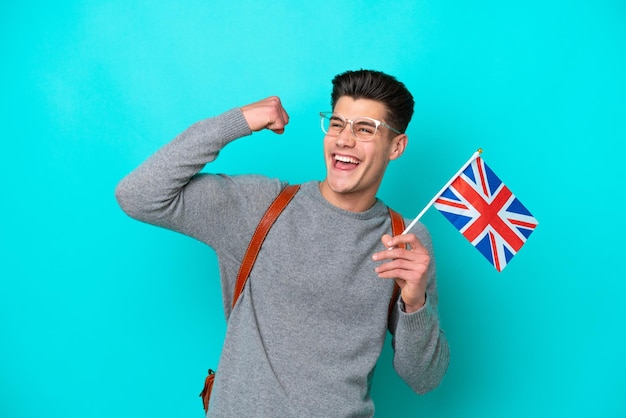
(443, 189)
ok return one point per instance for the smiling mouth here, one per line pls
(344, 162)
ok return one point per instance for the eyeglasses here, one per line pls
(363, 128)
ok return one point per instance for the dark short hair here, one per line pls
(376, 85)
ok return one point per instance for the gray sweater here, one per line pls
(305, 336)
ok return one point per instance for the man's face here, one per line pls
(354, 169)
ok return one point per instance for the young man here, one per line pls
(305, 335)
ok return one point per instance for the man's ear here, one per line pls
(398, 145)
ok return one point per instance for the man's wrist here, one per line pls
(414, 308)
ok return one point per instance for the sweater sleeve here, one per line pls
(421, 352)
(167, 191)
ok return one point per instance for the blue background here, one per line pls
(103, 316)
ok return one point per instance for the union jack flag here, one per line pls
(485, 211)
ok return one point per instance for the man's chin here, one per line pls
(338, 186)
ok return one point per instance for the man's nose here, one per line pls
(346, 137)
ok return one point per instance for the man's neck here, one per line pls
(351, 202)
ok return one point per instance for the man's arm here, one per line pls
(166, 191)
(421, 353)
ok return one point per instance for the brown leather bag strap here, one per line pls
(397, 228)
(275, 209)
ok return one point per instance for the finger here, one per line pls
(280, 121)
(278, 131)
(387, 240)
(396, 246)
(392, 242)
(268, 113)
(409, 272)
(410, 240)
(390, 254)
(391, 270)
(284, 117)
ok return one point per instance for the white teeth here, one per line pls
(346, 159)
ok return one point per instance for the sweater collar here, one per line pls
(312, 189)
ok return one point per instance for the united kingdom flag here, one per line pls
(485, 211)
